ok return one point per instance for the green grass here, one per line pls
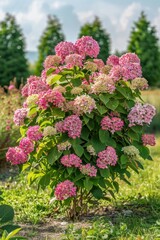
(134, 215)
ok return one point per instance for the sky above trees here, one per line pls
(116, 16)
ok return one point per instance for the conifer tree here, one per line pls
(13, 63)
(144, 43)
(51, 36)
(96, 30)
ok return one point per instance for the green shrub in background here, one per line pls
(9, 133)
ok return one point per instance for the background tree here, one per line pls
(13, 63)
(144, 43)
(51, 36)
(96, 30)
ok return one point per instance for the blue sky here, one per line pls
(117, 16)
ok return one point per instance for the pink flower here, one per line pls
(65, 190)
(64, 49)
(11, 87)
(16, 155)
(112, 60)
(37, 87)
(87, 46)
(26, 145)
(131, 71)
(141, 114)
(112, 124)
(51, 60)
(51, 96)
(72, 125)
(99, 63)
(115, 73)
(19, 116)
(88, 170)
(24, 90)
(74, 60)
(84, 104)
(128, 58)
(34, 133)
(148, 139)
(71, 160)
(59, 127)
(107, 157)
(32, 79)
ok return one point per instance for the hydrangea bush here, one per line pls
(82, 124)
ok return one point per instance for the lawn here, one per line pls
(135, 214)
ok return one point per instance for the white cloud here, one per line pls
(85, 16)
(128, 14)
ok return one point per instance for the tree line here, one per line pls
(13, 63)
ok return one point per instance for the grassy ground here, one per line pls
(135, 214)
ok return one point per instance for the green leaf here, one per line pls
(116, 186)
(53, 155)
(76, 82)
(49, 71)
(58, 112)
(88, 184)
(98, 146)
(85, 133)
(105, 98)
(91, 125)
(45, 180)
(103, 135)
(78, 150)
(137, 129)
(13, 233)
(104, 172)
(112, 104)
(97, 192)
(101, 109)
(123, 159)
(53, 79)
(133, 135)
(125, 91)
(86, 119)
(6, 213)
(70, 170)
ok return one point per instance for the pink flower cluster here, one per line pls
(148, 139)
(51, 60)
(141, 114)
(26, 145)
(64, 49)
(71, 160)
(112, 124)
(34, 86)
(19, 116)
(34, 133)
(87, 46)
(71, 124)
(89, 170)
(99, 63)
(16, 155)
(65, 190)
(112, 60)
(84, 104)
(127, 67)
(103, 84)
(51, 96)
(74, 60)
(107, 157)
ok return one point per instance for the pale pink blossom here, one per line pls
(34, 133)
(16, 155)
(65, 190)
(87, 46)
(89, 170)
(64, 49)
(19, 116)
(71, 160)
(148, 139)
(112, 124)
(26, 145)
(107, 157)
